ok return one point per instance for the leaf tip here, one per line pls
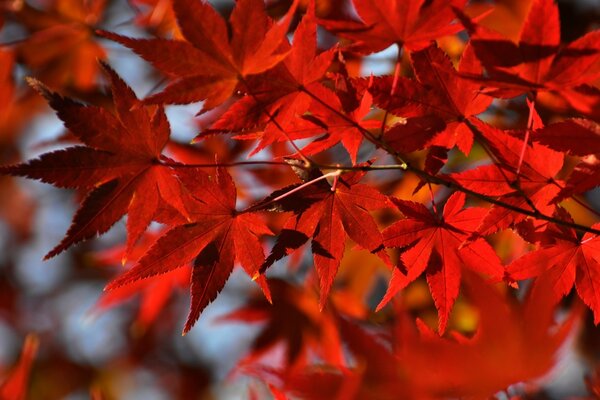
(110, 286)
(102, 33)
(188, 326)
(38, 86)
(322, 303)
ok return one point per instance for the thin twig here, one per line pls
(294, 190)
(530, 121)
(220, 164)
(337, 169)
(452, 185)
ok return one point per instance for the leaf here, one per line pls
(154, 293)
(530, 189)
(209, 65)
(324, 213)
(585, 176)
(120, 163)
(60, 48)
(565, 262)
(576, 136)
(156, 15)
(413, 24)
(293, 318)
(536, 63)
(432, 244)
(216, 236)
(336, 127)
(514, 343)
(276, 98)
(438, 94)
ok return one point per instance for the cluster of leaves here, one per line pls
(305, 111)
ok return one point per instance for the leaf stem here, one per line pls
(175, 164)
(335, 174)
(530, 122)
(393, 89)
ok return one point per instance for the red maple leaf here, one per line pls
(537, 62)
(334, 127)
(154, 292)
(583, 136)
(531, 188)
(514, 342)
(409, 23)
(432, 244)
(211, 63)
(440, 101)
(324, 213)
(293, 318)
(61, 48)
(276, 98)
(565, 260)
(119, 168)
(216, 236)
(585, 176)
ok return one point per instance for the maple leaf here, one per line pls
(530, 188)
(210, 64)
(440, 102)
(156, 15)
(585, 176)
(408, 23)
(293, 318)
(324, 213)
(60, 47)
(576, 136)
(154, 292)
(335, 127)
(565, 260)
(536, 63)
(216, 236)
(432, 244)
(277, 97)
(271, 92)
(513, 343)
(120, 167)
